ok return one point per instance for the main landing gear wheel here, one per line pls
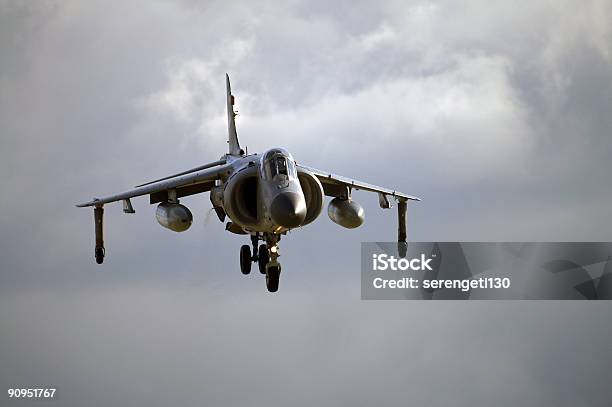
(263, 259)
(272, 277)
(245, 259)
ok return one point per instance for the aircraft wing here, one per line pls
(334, 185)
(195, 181)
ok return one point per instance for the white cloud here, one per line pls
(385, 34)
(185, 80)
(468, 117)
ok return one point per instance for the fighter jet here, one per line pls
(263, 196)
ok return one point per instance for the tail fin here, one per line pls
(234, 145)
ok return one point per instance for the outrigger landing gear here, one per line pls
(402, 246)
(266, 257)
(99, 224)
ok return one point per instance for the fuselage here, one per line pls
(262, 192)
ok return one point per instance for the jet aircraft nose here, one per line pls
(288, 209)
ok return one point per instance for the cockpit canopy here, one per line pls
(277, 164)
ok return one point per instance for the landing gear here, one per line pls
(99, 226)
(402, 246)
(263, 258)
(266, 256)
(100, 255)
(272, 267)
(245, 259)
(272, 276)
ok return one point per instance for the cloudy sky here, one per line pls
(496, 114)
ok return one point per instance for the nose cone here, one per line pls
(288, 209)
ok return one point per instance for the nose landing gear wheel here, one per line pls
(245, 259)
(272, 277)
(263, 259)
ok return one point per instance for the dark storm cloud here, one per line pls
(497, 115)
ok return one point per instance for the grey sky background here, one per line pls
(496, 114)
